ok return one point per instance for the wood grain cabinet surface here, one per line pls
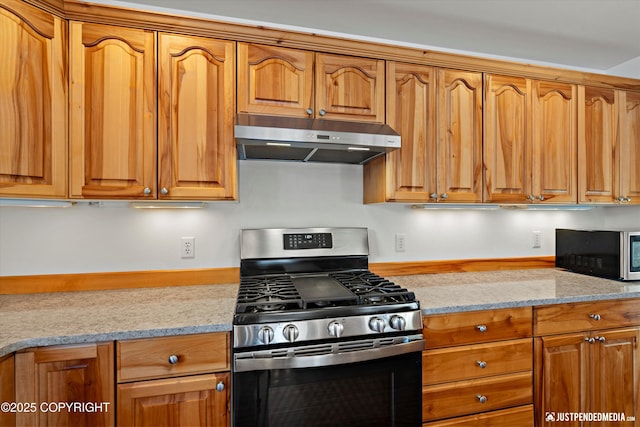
(70, 373)
(174, 381)
(530, 141)
(138, 133)
(7, 389)
(596, 369)
(438, 114)
(33, 102)
(609, 135)
(299, 83)
(478, 368)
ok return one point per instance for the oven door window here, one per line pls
(383, 392)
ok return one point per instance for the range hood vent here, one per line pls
(312, 140)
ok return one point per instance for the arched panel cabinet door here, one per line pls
(33, 102)
(196, 105)
(113, 112)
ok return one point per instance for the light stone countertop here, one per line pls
(455, 292)
(34, 320)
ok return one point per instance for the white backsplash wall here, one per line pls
(272, 194)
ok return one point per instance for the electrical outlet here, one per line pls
(536, 239)
(401, 242)
(188, 247)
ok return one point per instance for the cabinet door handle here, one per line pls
(601, 339)
(173, 359)
(309, 111)
(481, 328)
(220, 386)
(590, 340)
(323, 112)
(481, 364)
(146, 191)
(164, 191)
(481, 398)
(595, 317)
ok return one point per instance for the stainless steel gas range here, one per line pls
(318, 339)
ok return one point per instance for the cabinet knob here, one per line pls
(601, 339)
(540, 197)
(164, 191)
(531, 197)
(481, 328)
(590, 340)
(309, 111)
(433, 196)
(481, 398)
(323, 112)
(220, 386)
(595, 317)
(481, 364)
(173, 359)
(444, 196)
(627, 199)
(146, 191)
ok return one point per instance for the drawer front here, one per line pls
(586, 316)
(470, 397)
(172, 356)
(443, 330)
(476, 361)
(521, 416)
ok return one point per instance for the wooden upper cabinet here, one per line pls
(530, 141)
(196, 107)
(554, 130)
(630, 147)
(459, 149)
(598, 150)
(283, 81)
(273, 80)
(113, 112)
(507, 138)
(407, 174)
(33, 102)
(349, 88)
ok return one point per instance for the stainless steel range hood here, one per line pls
(312, 140)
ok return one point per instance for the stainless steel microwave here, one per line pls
(614, 254)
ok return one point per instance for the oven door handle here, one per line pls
(292, 359)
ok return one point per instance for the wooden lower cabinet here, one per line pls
(477, 369)
(591, 372)
(184, 401)
(174, 381)
(81, 375)
(512, 417)
(7, 389)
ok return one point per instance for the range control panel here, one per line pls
(308, 241)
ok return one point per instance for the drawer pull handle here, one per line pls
(481, 398)
(482, 328)
(173, 359)
(220, 386)
(481, 364)
(595, 317)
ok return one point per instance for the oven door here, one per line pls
(355, 383)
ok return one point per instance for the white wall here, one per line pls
(630, 68)
(272, 194)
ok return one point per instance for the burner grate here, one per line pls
(267, 293)
(373, 289)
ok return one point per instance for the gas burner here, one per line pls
(373, 289)
(266, 294)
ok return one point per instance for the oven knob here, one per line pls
(290, 333)
(398, 323)
(335, 328)
(377, 324)
(265, 334)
